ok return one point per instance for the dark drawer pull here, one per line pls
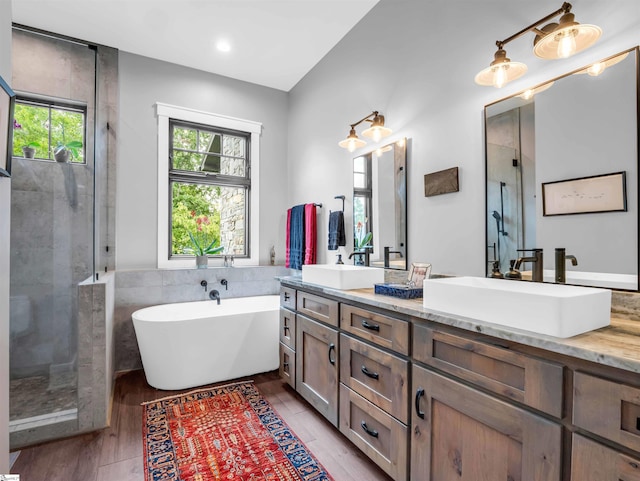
(419, 394)
(366, 372)
(286, 296)
(370, 432)
(371, 327)
(285, 365)
(285, 329)
(332, 347)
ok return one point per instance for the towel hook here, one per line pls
(341, 197)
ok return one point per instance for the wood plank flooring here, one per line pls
(115, 453)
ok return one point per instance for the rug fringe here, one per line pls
(196, 391)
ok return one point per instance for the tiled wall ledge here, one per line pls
(626, 304)
(142, 288)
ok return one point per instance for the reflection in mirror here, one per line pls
(380, 207)
(580, 125)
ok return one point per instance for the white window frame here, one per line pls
(164, 112)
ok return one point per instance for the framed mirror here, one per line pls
(380, 207)
(572, 133)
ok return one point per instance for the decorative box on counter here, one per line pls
(402, 291)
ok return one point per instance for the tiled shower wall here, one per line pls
(143, 288)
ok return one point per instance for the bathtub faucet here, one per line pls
(213, 294)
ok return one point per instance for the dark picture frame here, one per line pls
(585, 195)
(7, 104)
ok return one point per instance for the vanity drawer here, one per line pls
(380, 377)
(382, 330)
(287, 368)
(381, 437)
(288, 328)
(591, 461)
(535, 382)
(288, 298)
(607, 408)
(318, 308)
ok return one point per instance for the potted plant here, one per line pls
(361, 243)
(203, 245)
(65, 150)
(29, 150)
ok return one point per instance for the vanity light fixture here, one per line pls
(376, 131)
(529, 93)
(597, 68)
(552, 41)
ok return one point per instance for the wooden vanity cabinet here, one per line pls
(611, 410)
(317, 364)
(461, 433)
(374, 387)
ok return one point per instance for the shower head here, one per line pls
(495, 214)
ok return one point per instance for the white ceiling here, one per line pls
(274, 43)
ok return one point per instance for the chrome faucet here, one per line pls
(214, 294)
(561, 264)
(387, 251)
(536, 258)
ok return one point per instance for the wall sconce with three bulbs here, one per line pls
(376, 131)
(552, 41)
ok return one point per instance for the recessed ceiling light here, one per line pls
(223, 46)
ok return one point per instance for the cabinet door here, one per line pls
(288, 328)
(460, 433)
(317, 366)
(288, 365)
(591, 461)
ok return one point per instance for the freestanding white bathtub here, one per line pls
(190, 344)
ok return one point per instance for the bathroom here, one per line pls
(407, 66)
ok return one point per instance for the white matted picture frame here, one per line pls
(418, 272)
(584, 195)
(7, 99)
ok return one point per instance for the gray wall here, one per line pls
(5, 195)
(143, 82)
(418, 74)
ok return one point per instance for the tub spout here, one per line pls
(213, 294)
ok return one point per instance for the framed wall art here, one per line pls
(598, 193)
(7, 101)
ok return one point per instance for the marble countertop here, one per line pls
(617, 345)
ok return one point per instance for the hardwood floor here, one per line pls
(115, 453)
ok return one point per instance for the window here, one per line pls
(362, 197)
(207, 186)
(42, 128)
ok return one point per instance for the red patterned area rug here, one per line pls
(223, 433)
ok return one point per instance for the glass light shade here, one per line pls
(565, 41)
(529, 93)
(500, 74)
(597, 68)
(376, 132)
(352, 142)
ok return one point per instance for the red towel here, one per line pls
(287, 262)
(310, 234)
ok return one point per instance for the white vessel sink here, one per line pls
(342, 276)
(552, 309)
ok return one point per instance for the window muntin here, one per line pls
(47, 125)
(209, 187)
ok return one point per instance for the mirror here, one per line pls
(581, 125)
(380, 207)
